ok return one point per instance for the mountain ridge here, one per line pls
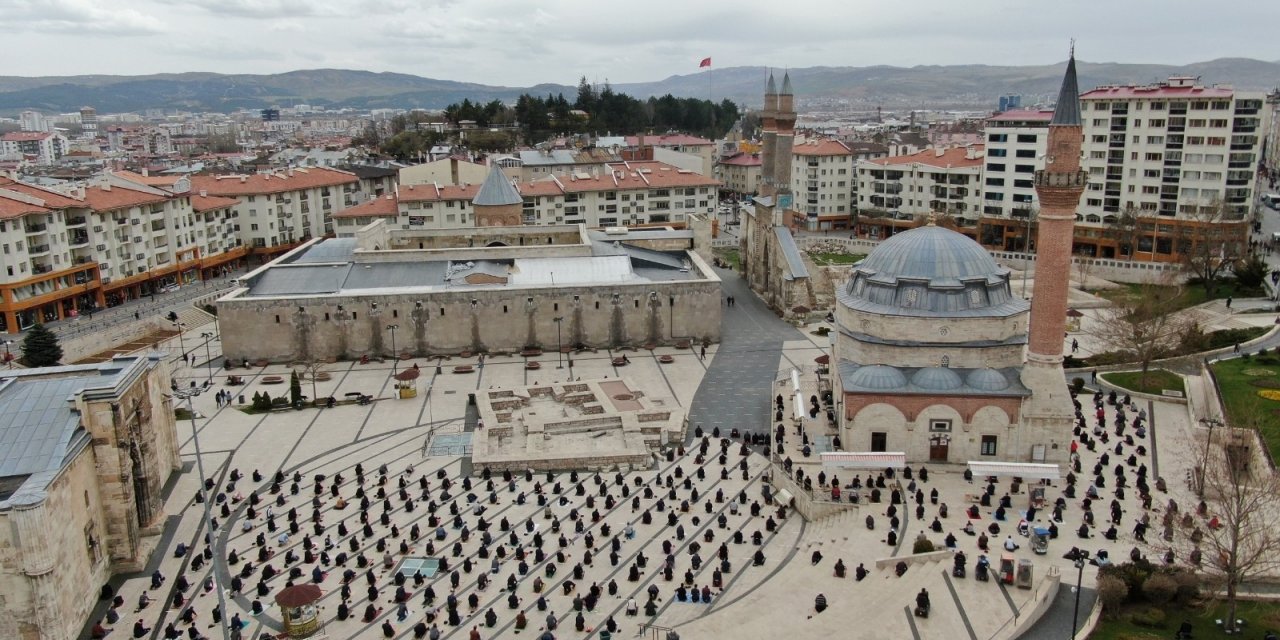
(940, 86)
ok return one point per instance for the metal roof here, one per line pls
(795, 263)
(290, 280)
(1067, 112)
(572, 270)
(329, 250)
(496, 190)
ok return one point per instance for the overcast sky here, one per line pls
(524, 42)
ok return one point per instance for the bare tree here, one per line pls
(1124, 230)
(313, 371)
(1243, 507)
(1210, 240)
(1145, 324)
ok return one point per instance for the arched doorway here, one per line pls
(939, 447)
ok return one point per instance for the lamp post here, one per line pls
(182, 345)
(208, 354)
(1082, 559)
(8, 357)
(559, 345)
(1204, 460)
(188, 394)
(394, 354)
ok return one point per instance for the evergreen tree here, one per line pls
(40, 348)
(295, 389)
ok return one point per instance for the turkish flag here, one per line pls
(706, 62)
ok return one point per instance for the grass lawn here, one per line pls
(731, 256)
(1154, 382)
(1192, 294)
(1259, 617)
(1240, 389)
(836, 258)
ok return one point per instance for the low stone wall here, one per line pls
(804, 503)
(914, 559)
(517, 465)
(93, 343)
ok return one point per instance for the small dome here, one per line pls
(936, 379)
(878, 377)
(987, 380)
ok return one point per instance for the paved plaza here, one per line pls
(524, 554)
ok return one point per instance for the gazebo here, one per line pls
(299, 611)
(1073, 319)
(406, 383)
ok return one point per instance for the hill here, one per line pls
(960, 86)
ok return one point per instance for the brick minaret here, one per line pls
(768, 137)
(784, 120)
(1058, 187)
(1047, 415)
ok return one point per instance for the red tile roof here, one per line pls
(52, 199)
(25, 136)
(743, 160)
(1023, 115)
(100, 199)
(1156, 91)
(621, 176)
(200, 203)
(151, 181)
(953, 158)
(386, 206)
(825, 147)
(12, 208)
(262, 183)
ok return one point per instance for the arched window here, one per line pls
(946, 362)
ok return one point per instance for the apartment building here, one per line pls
(633, 194)
(740, 173)
(683, 143)
(893, 191)
(279, 210)
(97, 246)
(38, 147)
(822, 179)
(1174, 153)
(1015, 148)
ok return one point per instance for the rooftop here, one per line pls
(264, 183)
(956, 157)
(670, 139)
(1023, 115)
(824, 147)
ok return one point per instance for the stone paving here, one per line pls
(752, 596)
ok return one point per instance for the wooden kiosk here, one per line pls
(298, 609)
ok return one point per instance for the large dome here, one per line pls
(931, 253)
(930, 271)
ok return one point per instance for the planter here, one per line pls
(273, 380)
(666, 359)
(464, 368)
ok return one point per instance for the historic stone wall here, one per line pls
(905, 421)
(449, 322)
(943, 338)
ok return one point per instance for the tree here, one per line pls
(1245, 500)
(312, 370)
(295, 389)
(40, 348)
(1210, 240)
(1145, 324)
(1251, 272)
(1123, 229)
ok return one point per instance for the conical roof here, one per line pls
(496, 190)
(786, 83)
(1067, 112)
(770, 88)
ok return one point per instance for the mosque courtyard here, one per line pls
(537, 553)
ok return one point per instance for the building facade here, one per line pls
(895, 191)
(80, 487)
(37, 147)
(479, 290)
(822, 179)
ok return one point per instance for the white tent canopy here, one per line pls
(1026, 470)
(864, 460)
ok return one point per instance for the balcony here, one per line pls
(37, 229)
(38, 268)
(78, 239)
(77, 222)
(38, 249)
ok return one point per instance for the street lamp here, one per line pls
(559, 345)
(188, 394)
(1204, 461)
(8, 357)
(208, 338)
(395, 355)
(1081, 559)
(182, 345)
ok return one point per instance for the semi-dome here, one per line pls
(936, 379)
(987, 380)
(930, 271)
(877, 377)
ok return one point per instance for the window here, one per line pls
(1027, 138)
(940, 425)
(988, 446)
(1026, 153)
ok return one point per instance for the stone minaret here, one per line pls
(1048, 414)
(768, 138)
(785, 122)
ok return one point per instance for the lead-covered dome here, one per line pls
(936, 379)
(878, 377)
(931, 271)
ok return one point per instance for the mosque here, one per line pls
(934, 355)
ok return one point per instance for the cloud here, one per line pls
(308, 8)
(283, 26)
(77, 17)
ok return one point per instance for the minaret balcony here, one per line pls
(1075, 179)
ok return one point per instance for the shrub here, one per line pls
(1077, 385)
(1188, 586)
(922, 545)
(1149, 617)
(1159, 588)
(1113, 592)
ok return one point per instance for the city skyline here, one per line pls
(505, 42)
